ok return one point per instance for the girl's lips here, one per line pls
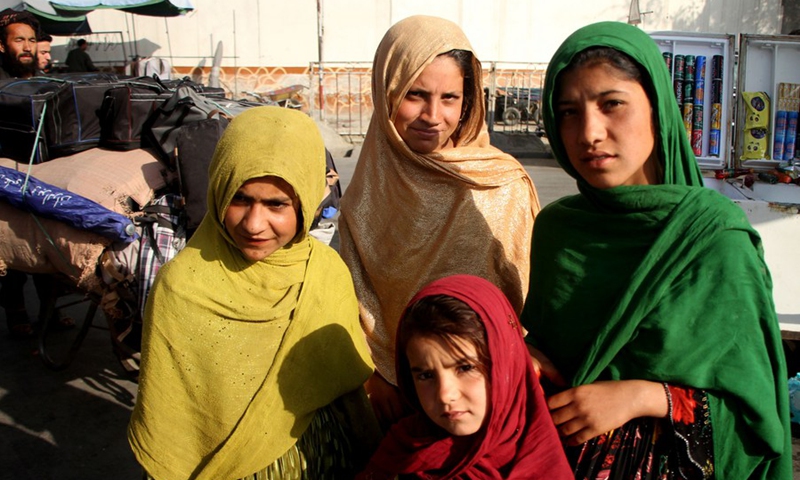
(598, 160)
(596, 156)
(453, 415)
(427, 133)
(255, 241)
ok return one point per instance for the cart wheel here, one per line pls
(511, 116)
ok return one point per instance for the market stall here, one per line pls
(740, 97)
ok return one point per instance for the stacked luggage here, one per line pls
(178, 122)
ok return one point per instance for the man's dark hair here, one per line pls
(9, 16)
(81, 42)
(44, 37)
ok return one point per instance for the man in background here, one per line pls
(43, 57)
(18, 46)
(78, 60)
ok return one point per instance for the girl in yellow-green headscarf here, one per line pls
(650, 308)
(251, 336)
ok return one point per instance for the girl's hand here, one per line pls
(385, 399)
(544, 366)
(584, 412)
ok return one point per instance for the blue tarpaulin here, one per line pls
(49, 201)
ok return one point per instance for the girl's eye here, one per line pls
(423, 376)
(565, 112)
(466, 368)
(414, 94)
(613, 103)
(239, 199)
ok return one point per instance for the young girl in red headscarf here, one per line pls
(480, 412)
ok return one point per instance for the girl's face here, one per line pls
(606, 125)
(431, 110)
(262, 217)
(451, 389)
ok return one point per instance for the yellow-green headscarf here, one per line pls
(238, 355)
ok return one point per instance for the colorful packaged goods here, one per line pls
(714, 134)
(783, 146)
(696, 138)
(678, 62)
(756, 125)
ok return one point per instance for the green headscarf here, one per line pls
(680, 167)
(662, 282)
(237, 356)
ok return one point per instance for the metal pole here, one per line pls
(235, 61)
(258, 20)
(128, 28)
(320, 33)
(169, 44)
(135, 40)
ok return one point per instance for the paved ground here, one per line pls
(71, 424)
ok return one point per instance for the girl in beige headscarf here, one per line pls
(252, 350)
(429, 197)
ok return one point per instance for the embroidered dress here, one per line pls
(649, 448)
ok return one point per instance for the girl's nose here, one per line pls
(448, 391)
(592, 128)
(431, 112)
(255, 220)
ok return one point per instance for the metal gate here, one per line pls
(340, 94)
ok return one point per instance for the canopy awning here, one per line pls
(155, 8)
(68, 17)
(51, 21)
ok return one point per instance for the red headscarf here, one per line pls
(518, 440)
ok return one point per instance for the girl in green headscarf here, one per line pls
(650, 308)
(253, 358)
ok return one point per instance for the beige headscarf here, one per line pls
(408, 219)
(237, 356)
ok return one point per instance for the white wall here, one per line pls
(279, 33)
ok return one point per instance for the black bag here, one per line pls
(70, 124)
(21, 106)
(216, 93)
(185, 107)
(77, 127)
(125, 109)
(195, 144)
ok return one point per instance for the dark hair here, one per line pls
(445, 317)
(464, 59)
(81, 42)
(10, 16)
(44, 37)
(626, 65)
